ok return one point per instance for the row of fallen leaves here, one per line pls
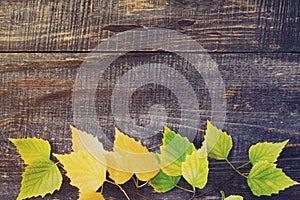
(87, 165)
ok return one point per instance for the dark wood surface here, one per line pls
(255, 44)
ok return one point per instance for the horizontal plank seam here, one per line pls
(195, 52)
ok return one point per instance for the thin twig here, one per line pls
(244, 165)
(124, 192)
(187, 190)
(237, 171)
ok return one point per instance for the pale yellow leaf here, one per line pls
(82, 141)
(118, 168)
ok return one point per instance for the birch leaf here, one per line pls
(195, 168)
(218, 143)
(265, 179)
(85, 172)
(174, 150)
(266, 151)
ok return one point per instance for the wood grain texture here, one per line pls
(255, 44)
(262, 92)
(221, 26)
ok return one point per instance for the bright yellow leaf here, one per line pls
(130, 157)
(124, 144)
(90, 195)
(84, 170)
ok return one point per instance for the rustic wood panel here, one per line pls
(220, 26)
(262, 92)
(255, 43)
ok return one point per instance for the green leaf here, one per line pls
(32, 149)
(169, 135)
(173, 152)
(265, 179)
(195, 168)
(218, 143)
(234, 197)
(164, 183)
(40, 178)
(266, 151)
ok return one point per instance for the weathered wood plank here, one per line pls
(262, 92)
(221, 26)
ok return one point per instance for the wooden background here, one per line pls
(256, 44)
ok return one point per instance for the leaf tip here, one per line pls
(166, 129)
(13, 140)
(285, 141)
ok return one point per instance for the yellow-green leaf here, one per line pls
(218, 143)
(130, 157)
(84, 170)
(234, 197)
(174, 150)
(32, 149)
(90, 195)
(82, 141)
(40, 178)
(265, 179)
(195, 168)
(164, 183)
(266, 151)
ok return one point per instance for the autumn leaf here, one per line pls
(85, 172)
(265, 179)
(195, 168)
(130, 157)
(218, 143)
(123, 174)
(90, 195)
(234, 197)
(32, 149)
(164, 183)
(82, 141)
(266, 151)
(174, 150)
(39, 179)
(42, 175)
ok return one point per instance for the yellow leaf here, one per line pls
(147, 175)
(82, 141)
(123, 143)
(131, 157)
(90, 195)
(120, 172)
(84, 170)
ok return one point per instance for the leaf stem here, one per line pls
(222, 194)
(236, 170)
(101, 189)
(124, 192)
(187, 190)
(59, 165)
(144, 184)
(136, 183)
(243, 165)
